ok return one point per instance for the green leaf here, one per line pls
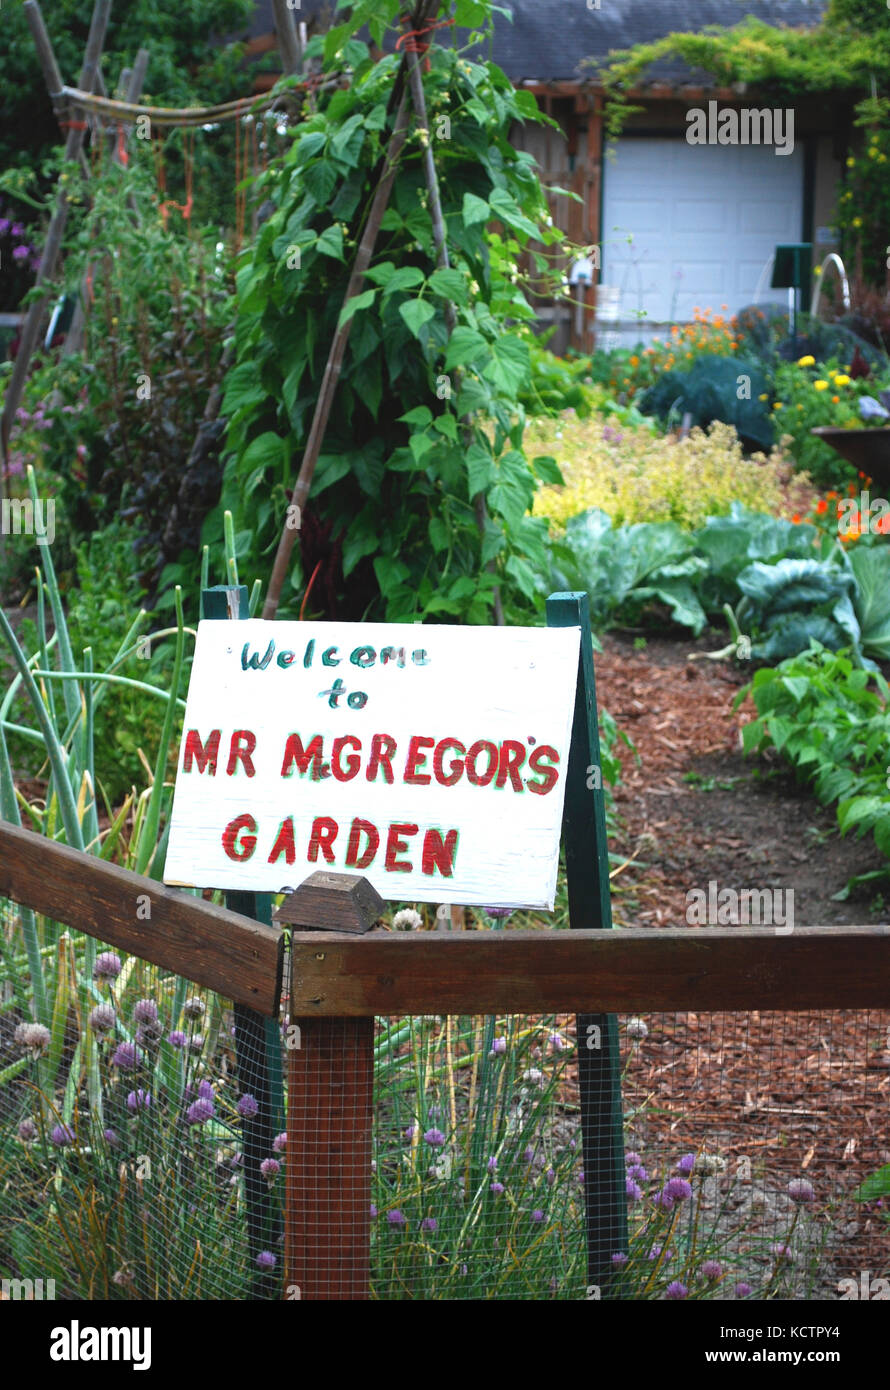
(440, 536)
(321, 180)
(475, 210)
(330, 243)
(266, 451)
(416, 312)
(404, 279)
(464, 345)
(353, 305)
(420, 444)
(421, 415)
(450, 284)
(381, 274)
(447, 425)
(480, 469)
(548, 470)
(243, 388)
(510, 368)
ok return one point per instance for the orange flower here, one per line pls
(821, 506)
(796, 519)
(635, 361)
(831, 496)
(835, 400)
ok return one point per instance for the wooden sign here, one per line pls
(432, 760)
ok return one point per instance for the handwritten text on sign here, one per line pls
(431, 760)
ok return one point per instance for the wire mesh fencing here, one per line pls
(754, 1145)
(142, 1131)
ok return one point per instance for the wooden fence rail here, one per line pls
(221, 950)
(624, 970)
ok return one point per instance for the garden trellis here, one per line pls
(89, 99)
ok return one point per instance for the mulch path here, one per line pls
(797, 1093)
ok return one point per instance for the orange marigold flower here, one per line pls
(796, 519)
(635, 361)
(821, 506)
(835, 399)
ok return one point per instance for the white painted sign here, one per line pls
(432, 760)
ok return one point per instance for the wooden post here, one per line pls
(330, 1116)
(288, 38)
(53, 244)
(587, 879)
(257, 1042)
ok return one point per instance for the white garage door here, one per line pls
(704, 220)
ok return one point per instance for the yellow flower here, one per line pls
(763, 397)
(882, 159)
(820, 385)
(778, 405)
(857, 221)
(842, 379)
(851, 162)
(806, 361)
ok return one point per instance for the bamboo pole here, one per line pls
(53, 245)
(75, 335)
(337, 350)
(418, 97)
(288, 39)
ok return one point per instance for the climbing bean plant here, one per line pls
(427, 418)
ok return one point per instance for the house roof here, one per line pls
(548, 39)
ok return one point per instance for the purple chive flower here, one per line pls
(676, 1290)
(27, 1131)
(373, 1209)
(410, 1131)
(435, 1138)
(270, 1167)
(743, 1290)
(800, 1190)
(194, 1007)
(5, 225)
(655, 1252)
(247, 1107)
(550, 1176)
(139, 1100)
(492, 1165)
(528, 1154)
(678, 1189)
(279, 1143)
(712, 1269)
(396, 1218)
(619, 1258)
(638, 1172)
(110, 1136)
(632, 1158)
(126, 1056)
(107, 966)
(496, 1187)
(145, 1011)
(429, 1223)
(176, 1038)
(34, 1036)
(62, 1135)
(556, 1041)
(205, 1091)
(18, 229)
(499, 913)
(21, 253)
(498, 1047)
(686, 1164)
(265, 1260)
(634, 1192)
(663, 1200)
(537, 1214)
(200, 1111)
(782, 1251)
